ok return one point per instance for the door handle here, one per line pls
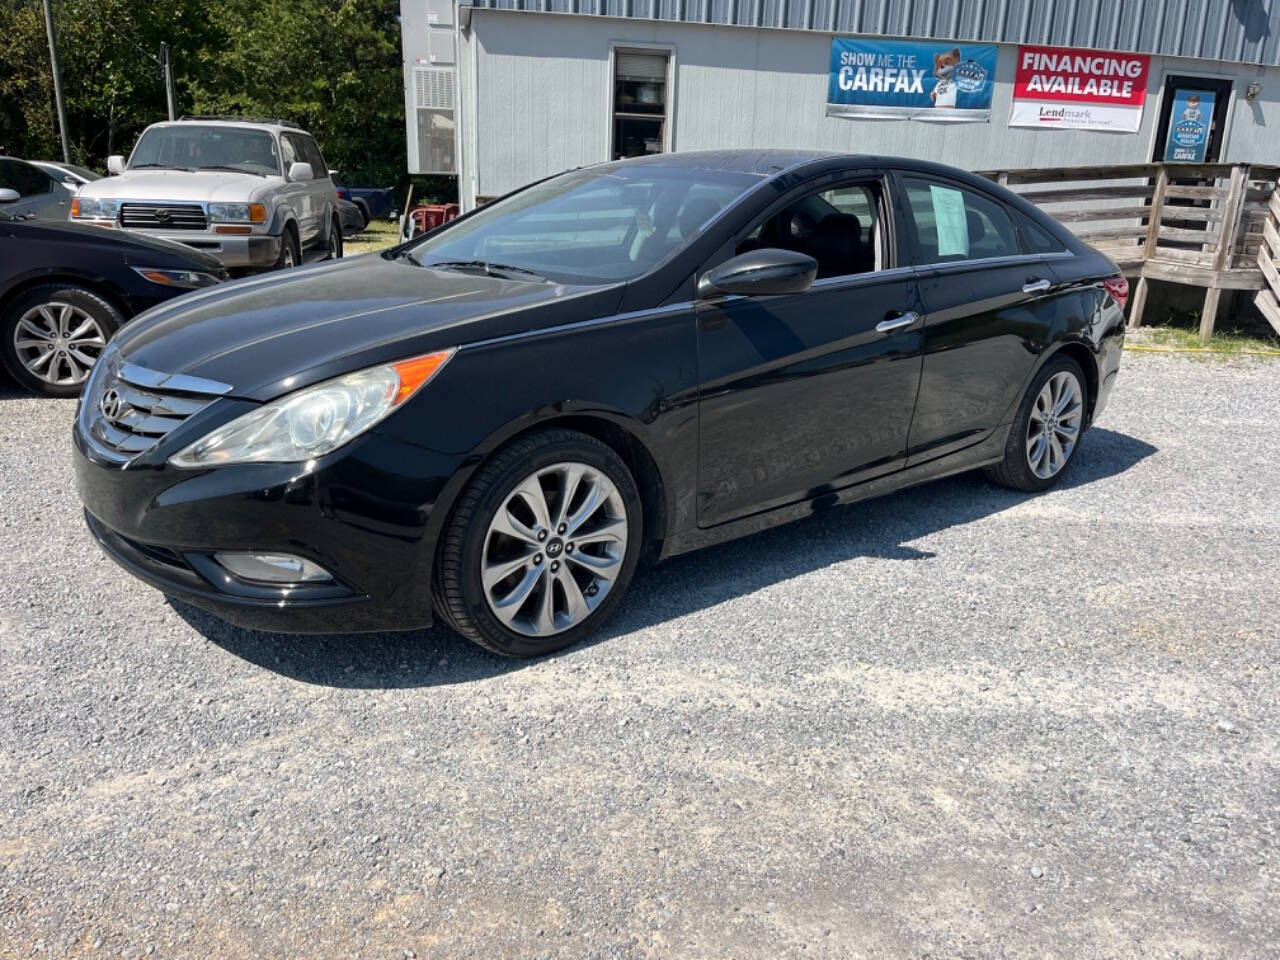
(1036, 286)
(896, 321)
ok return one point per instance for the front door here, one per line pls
(802, 395)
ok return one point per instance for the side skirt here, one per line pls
(989, 451)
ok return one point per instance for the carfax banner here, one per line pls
(1061, 88)
(900, 79)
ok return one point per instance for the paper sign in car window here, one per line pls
(953, 225)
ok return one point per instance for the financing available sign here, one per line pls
(1063, 88)
(901, 79)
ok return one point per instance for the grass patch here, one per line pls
(1229, 342)
(378, 235)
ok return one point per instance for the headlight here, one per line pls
(176, 278)
(237, 213)
(86, 208)
(316, 420)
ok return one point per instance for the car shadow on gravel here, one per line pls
(883, 528)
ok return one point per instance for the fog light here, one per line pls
(273, 568)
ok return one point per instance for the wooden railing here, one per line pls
(1197, 224)
(1268, 298)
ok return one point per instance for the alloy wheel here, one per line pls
(58, 342)
(1054, 425)
(554, 548)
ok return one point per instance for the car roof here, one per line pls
(264, 125)
(760, 162)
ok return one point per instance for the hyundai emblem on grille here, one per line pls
(113, 406)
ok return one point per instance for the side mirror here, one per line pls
(300, 171)
(333, 173)
(115, 164)
(760, 273)
(8, 196)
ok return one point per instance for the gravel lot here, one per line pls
(953, 722)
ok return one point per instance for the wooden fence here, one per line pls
(1214, 226)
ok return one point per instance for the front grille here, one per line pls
(163, 216)
(128, 409)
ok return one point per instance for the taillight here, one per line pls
(1118, 287)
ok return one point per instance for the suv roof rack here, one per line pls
(235, 118)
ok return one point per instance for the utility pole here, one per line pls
(166, 61)
(57, 82)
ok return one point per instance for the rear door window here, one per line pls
(953, 223)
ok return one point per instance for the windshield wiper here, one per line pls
(484, 266)
(160, 166)
(217, 166)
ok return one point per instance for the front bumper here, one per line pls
(365, 513)
(235, 252)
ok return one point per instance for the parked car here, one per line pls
(374, 202)
(353, 220)
(34, 192)
(498, 421)
(253, 193)
(65, 288)
(68, 174)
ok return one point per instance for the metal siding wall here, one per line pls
(543, 101)
(1246, 31)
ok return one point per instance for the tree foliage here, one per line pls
(332, 66)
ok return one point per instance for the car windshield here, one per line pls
(199, 147)
(602, 224)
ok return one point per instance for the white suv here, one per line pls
(254, 193)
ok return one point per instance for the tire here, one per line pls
(335, 239)
(53, 313)
(475, 537)
(290, 250)
(364, 211)
(1032, 465)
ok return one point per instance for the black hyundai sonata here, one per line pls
(498, 420)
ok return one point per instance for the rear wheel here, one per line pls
(1046, 433)
(52, 335)
(335, 240)
(541, 546)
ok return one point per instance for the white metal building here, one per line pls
(502, 92)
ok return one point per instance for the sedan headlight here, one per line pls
(237, 213)
(189, 279)
(316, 420)
(86, 208)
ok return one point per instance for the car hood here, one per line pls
(201, 185)
(272, 334)
(138, 250)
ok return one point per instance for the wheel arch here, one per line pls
(94, 285)
(615, 432)
(1082, 354)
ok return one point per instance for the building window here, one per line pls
(639, 103)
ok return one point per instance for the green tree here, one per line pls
(332, 66)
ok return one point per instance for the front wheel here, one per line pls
(290, 250)
(541, 546)
(52, 335)
(1046, 433)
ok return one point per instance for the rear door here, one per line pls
(802, 395)
(989, 309)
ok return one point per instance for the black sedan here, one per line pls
(497, 421)
(65, 288)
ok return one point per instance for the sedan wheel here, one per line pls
(1046, 434)
(52, 335)
(541, 545)
(58, 343)
(554, 549)
(1054, 425)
